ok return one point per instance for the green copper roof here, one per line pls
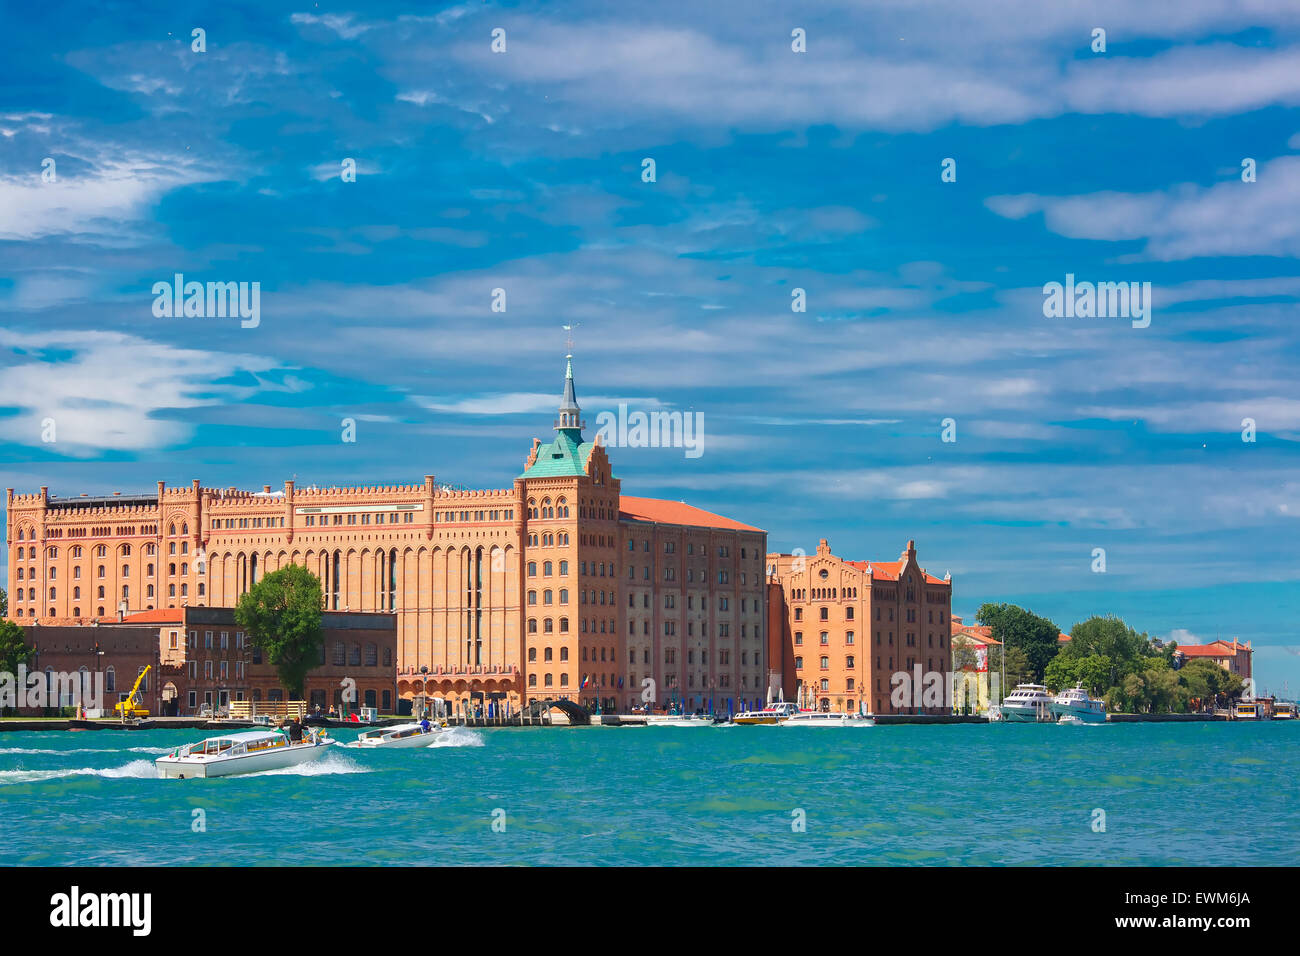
(566, 455)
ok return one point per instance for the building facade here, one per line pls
(1232, 656)
(521, 593)
(975, 684)
(846, 628)
(200, 660)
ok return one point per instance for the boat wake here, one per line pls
(457, 737)
(136, 768)
(332, 763)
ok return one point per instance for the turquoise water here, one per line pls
(1200, 794)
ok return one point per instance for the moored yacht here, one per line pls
(679, 720)
(399, 735)
(242, 753)
(1028, 703)
(771, 714)
(820, 718)
(1074, 706)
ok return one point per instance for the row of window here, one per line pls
(849, 662)
(391, 517)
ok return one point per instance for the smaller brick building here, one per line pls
(121, 653)
(202, 660)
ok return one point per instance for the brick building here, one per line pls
(120, 653)
(202, 660)
(521, 592)
(840, 630)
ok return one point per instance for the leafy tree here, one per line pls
(1094, 672)
(4, 602)
(13, 647)
(282, 615)
(1035, 637)
(1109, 637)
(1207, 681)
(1060, 673)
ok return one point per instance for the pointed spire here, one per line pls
(570, 414)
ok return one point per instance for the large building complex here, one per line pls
(557, 586)
(839, 631)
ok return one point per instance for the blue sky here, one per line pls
(775, 170)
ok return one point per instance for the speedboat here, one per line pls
(242, 753)
(819, 718)
(771, 714)
(1075, 703)
(678, 720)
(1028, 703)
(398, 735)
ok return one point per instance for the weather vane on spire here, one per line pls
(569, 337)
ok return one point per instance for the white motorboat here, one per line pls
(678, 720)
(817, 718)
(242, 753)
(1028, 703)
(771, 714)
(399, 735)
(1074, 706)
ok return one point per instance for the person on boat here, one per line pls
(424, 725)
(295, 731)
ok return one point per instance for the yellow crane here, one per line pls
(132, 706)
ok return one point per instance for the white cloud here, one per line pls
(1230, 218)
(106, 395)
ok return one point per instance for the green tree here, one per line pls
(1060, 673)
(1018, 629)
(1111, 638)
(1207, 681)
(282, 615)
(13, 648)
(1094, 672)
(4, 602)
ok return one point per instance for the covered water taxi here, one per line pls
(399, 735)
(820, 718)
(248, 752)
(771, 714)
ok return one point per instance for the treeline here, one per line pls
(1128, 670)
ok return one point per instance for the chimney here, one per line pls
(121, 611)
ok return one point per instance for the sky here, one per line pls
(920, 170)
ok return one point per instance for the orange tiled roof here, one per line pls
(889, 570)
(976, 632)
(675, 512)
(1213, 649)
(1062, 638)
(162, 615)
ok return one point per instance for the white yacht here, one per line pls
(771, 714)
(678, 720)
(818, 718)
(1028, 703)
(399, 735)
(1074, 706)
(242, 753)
